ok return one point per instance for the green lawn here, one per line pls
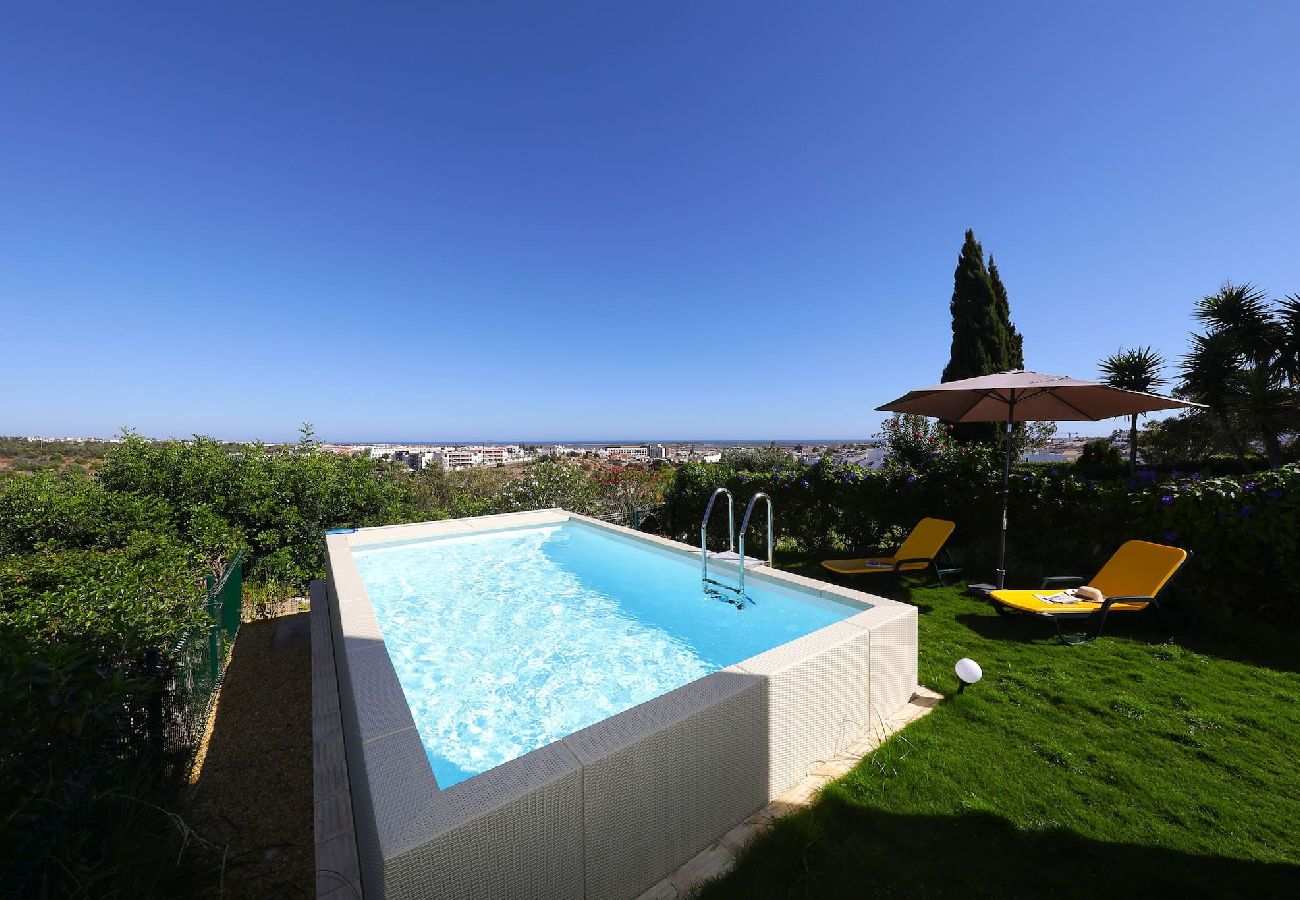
(1129, 766)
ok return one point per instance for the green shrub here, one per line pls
(115, 604)
(1100, 459)
(73, 511)
(277, 503)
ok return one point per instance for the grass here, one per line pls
(1131, 765)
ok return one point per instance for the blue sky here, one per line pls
(491, 221)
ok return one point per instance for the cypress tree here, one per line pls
(983, 339)
(976, 349)
(1015, 358)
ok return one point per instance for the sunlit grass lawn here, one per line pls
(1128, 766)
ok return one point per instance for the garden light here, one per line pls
(968, 672)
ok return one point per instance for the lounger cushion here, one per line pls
(864, 566)
(1027, 601)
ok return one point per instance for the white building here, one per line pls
(492, 456)
(873, 458)
(458, 458)
(475, 457)
(627, 454)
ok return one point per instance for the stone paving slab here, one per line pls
(718, 858)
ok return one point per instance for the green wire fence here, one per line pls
(189, 673)
(160, 727)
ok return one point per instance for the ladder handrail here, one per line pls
(744, 526)
(704, 525)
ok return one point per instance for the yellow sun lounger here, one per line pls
(916, 554)
(1129, 582)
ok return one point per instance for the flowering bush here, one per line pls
(549, 484)
(915, 441)
(622, 490)
(1243, 530)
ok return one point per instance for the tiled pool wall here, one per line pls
(613, 808)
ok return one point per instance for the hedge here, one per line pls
(1242, 530)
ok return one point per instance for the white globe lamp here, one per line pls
(968, 672)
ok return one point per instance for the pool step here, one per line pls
(733, 557)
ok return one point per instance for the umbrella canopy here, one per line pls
(1021, 396)
(1027, 397)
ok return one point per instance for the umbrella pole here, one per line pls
(1006, 492)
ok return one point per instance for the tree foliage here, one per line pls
(1015, 350)
(1133, 369)
(984, 340)
(276, 502)
(1245, 365)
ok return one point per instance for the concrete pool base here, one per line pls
(612, 809)
(717, 859)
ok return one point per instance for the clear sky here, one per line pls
(611, 219)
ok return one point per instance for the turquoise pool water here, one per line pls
(506, 641)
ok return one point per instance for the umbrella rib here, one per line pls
(1031, 393)
(1090, 418)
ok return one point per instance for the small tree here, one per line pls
(1135, 369)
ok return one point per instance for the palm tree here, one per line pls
(1137, 369)
(1247, 362)
(1208, 374)
(1289, 318)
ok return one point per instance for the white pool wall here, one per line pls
(613, 808)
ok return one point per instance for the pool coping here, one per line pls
(406, 825)
(338, 871)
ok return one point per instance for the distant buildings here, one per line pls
(446, 458)
(868, 454)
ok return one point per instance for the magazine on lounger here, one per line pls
(1083, 594)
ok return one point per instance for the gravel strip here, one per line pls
(252, 794)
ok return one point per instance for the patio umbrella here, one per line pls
(1021, 396)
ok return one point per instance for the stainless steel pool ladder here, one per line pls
(704, 529)
(744, 526)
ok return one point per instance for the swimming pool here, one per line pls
(540, 704)
(506, 641)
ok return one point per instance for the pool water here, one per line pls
(506, 641)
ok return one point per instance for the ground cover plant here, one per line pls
(1131, 766)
